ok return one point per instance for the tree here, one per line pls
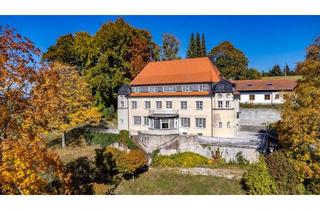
(299, 132)
(60, 100)
(191, 53)
(275, 71)
(18, 72)
(231, 62)
(253, 74)
(170, 47)
(110, 58)
(26, 166)
(203, 46)
(198, 45)
(286, 70)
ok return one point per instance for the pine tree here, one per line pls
(286, 70)
(198, 46)
(203, 46)
(191, 48)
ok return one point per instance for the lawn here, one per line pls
(170, 182)
(293, 77)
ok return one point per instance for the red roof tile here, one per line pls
(192, 70)
(265, 85)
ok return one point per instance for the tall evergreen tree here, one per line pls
(203, 46)
(275, 71)
(198, 46)
(192, 47)
(286, 70)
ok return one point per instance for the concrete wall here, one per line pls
(258, 116)
(190, 144)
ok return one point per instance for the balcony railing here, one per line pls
(162, 131)
(163, 111)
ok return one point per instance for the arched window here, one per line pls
(228, 124)
(220, 124)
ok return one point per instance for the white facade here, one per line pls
(262, 97)
(210, 115)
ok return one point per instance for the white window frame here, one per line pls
(137, 120)
(149, 105)
(146, 120)
(169, 102)
(220, 104)
(157, 103)
(182, 103)
(200, 122)
(185, 122)
(199, 105)
(134, 104)
(227, 104)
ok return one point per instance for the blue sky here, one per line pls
(266, 40)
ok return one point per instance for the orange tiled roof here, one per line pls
(265, 85)
(202, 93)
(192, 70)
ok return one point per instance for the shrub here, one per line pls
(125, 139)
(283, 172)
(109, 113)
(240, 159)
(82, 174)
(185, 159)
(257, 181)
(103, 139)
(128, 164)
(313, 186)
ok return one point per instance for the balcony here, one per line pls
(163, 113)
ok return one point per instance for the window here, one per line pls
(157, 123)
(186, 88)
(145, 120)
(238, 115)
(184, 105)
(121, 121)
(168, 88)
(228, 104)
(199, 134)
(267, 97)
(277, 96)
(220, 104)
(220, 125)
(164, 123)
(121, 103)
(228, 124)
(137, 120)
(134, 104)
(203, 87)
(147, 105)
(169, 104)
(200, 122)
(199, 105)
(185, 122)
(158, 104)
(251, 97)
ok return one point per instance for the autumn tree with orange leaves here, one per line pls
(36, 99)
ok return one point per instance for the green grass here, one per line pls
(105, 139)
(171, 182)
(293, 77)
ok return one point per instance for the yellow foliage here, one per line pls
(27, 168)
(61, 100)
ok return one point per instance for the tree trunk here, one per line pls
(63, 138)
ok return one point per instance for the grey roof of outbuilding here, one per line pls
(124, 90)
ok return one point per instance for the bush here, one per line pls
(313, 186)
(105, 139)
(109, 113)
(283, 172)
(257, 181)
(185, 159)
(240, 159)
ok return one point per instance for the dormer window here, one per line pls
(269, 84)
(249, 85)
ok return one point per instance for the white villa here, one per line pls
(186, 97)
(264, 91)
